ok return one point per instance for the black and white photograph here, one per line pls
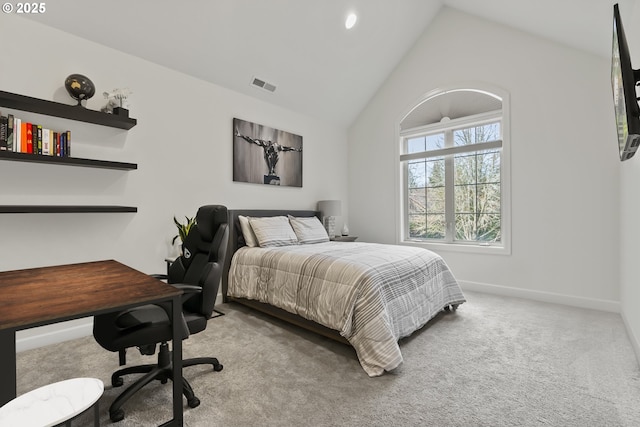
(264, 155)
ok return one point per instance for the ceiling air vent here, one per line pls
(262, 84)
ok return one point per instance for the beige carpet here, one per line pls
(497, 361)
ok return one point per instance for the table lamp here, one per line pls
(329, 210)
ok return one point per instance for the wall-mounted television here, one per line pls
(625, 99)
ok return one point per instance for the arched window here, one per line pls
(455, 171)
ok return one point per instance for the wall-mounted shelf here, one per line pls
(56, 109)
(72, 112)
(69, 161)
(20, 209)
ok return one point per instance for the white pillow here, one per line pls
(247, 232)
(309, 229)
(273, 231)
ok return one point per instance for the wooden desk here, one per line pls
(40, 296)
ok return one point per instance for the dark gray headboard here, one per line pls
(236, 240)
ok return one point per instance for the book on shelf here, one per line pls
(63, 139)
(10, 122)
(30, 138)
(20, 136)
(17, 135)
(46, 147)
(37, 140)
(4, 123)
(23, 137)
(55, 143)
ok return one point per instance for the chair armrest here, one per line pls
(187, 289)
(159, 276)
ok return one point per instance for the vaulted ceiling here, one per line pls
(318, 67)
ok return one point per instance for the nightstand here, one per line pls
(344, 238)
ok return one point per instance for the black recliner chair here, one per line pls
(197, 272)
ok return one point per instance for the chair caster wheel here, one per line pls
(117, 415)
(194, 402)
(117, 382)
(218, 367)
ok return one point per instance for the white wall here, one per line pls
(182, 145)
(564, 165)
(630, 208)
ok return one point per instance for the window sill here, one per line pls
(459, 247)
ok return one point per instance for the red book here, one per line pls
(29, 138)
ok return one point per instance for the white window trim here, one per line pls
(504, 248)
(447, 151)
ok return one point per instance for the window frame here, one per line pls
(449, 243)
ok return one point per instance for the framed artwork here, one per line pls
(264, 155)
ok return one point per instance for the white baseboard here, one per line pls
(592, 303)
(53, 334)
(635, 342)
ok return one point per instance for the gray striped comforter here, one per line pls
(373, 294)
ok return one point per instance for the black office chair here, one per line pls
(198, 272)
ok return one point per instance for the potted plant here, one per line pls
(183, 229)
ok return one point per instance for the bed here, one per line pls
(365, 294)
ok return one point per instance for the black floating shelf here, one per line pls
(64, 209)
(70, 161)
(56, 109)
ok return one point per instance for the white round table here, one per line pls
(53, 404)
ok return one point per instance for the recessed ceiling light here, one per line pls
(351, 21)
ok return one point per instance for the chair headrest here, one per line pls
(208, 220)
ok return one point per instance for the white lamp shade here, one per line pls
(330, 207)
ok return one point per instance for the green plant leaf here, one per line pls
(183, 228)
